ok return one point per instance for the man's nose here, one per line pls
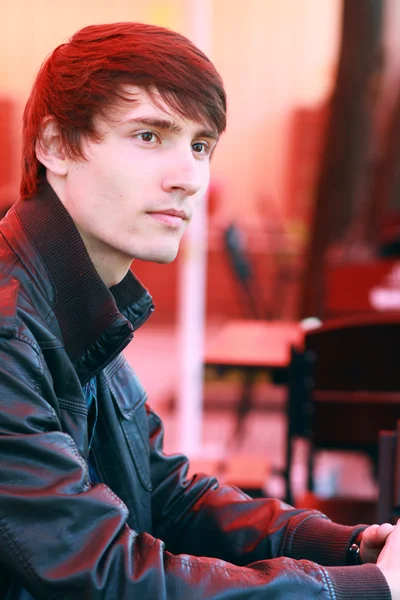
(183, 173)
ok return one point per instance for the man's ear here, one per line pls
(49, 148)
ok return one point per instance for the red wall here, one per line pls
(225, 298)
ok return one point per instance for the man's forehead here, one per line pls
(135, 103)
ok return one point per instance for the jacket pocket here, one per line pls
(129, 398)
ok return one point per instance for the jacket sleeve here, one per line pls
(62, 538)
(202, 517)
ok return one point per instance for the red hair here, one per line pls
(83, 78)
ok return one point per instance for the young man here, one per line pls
(118, 134)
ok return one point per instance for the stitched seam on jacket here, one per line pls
(50, 345)
(328, 583)
(131, 413)
(69, 405)
(134, 507)
(80, 459)
(137, 459)
(214, 567)
(40, 365)
(28, 340)
(8, 267)
(295, 564)
(50, 317)
(110, 372)
(108, 376)
(145, 445)
(26, 564)
(128, 414)
(116, 498)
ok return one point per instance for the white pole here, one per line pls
(192, 282)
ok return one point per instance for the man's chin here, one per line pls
(162, 258)
(165, 260)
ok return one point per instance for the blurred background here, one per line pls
(302, 218)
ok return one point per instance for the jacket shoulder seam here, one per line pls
(40, 366)
(24, 338)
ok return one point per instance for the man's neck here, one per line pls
(111, 265)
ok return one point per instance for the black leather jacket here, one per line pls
(147, 532)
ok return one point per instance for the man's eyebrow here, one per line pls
(169, 125)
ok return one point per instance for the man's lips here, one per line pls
(170, 217)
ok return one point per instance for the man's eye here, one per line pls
(147, 136)
(201, 148)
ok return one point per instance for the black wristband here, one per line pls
(354, 556)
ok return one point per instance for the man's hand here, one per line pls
(373, 540)
(388, 561)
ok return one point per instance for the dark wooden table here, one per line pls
(253, 346)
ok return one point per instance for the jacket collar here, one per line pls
(96, 322)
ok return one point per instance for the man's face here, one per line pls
(137, 191)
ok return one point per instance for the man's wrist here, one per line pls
(354, 553)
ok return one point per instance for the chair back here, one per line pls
(356, 379)
(357, 353)
(388, 509)
(344, 386)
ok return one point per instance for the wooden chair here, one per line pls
(244, 273)
(344, 387)
(388, 508)
(241, 343)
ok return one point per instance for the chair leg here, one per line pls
(310, 468)
(244, 405)
(288, 470)
(387, 453)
